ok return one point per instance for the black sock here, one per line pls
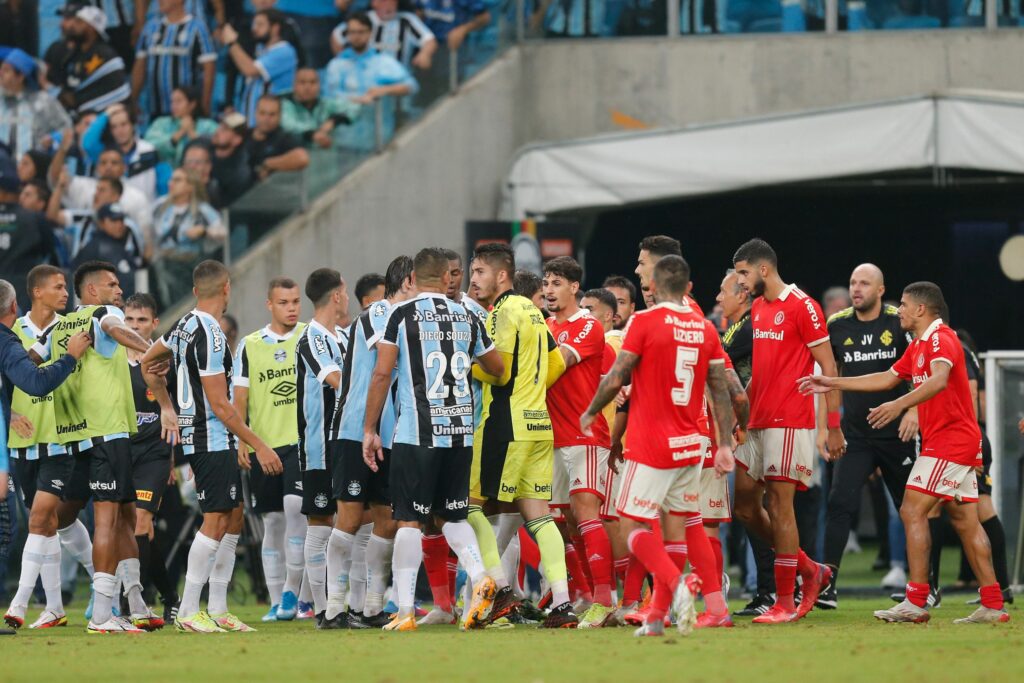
(997, 538)
(936, 527)
(143, 543)
(158, 571)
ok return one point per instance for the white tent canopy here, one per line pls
(956, 129)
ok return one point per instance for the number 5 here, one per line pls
(686, 360)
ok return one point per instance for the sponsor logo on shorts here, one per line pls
(542, 488)
(201, 495)
(771, 468)
(144, 496)
(460, 504)
(577, 482)
(803, 469)
(949, 483)
(57, 483)
(354, 488)
(644, 503)
(690, 497)
(917, 480)
(320, 501)
(505, 488)
(716, 503)
(103, 485)
(420, 508)
(232, 492)
(298, 486)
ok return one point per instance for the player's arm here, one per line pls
(215, 386)
(157, 383)
(556, 367)
(882, 415)
(616, 378)
(721, 405)
(835, 441)
(506, 332)
(123, 335)
(876, 381)
(739, 400)
(618, 431)
(480, 374)
(387, 357)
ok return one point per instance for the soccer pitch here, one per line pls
(843, 645)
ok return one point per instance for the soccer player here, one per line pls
(209, 424)
(950, 450)
(355, 485)
(42, 465)
(528, 284)
(624, 291)
(152, 462)
(513, 451)
(581, 460)
(778, 455)
(95, 415)
(318, 364)
(264, 395)
(370, 288)
(670, 354)
(433, 341)
(865, 339)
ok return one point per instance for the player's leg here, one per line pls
(848, 477)
(294, 535)
(435, 563)
(349, 475)
(74, 537)
(223, 569)
(715, 510)
(412, 467)
(997, 539)
(378, 548)
(266, 495)
(918, 503)
(588, 465)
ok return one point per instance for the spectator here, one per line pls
(403, 35)
(200, 9)
(362, 74)
(34, 196)
(271, 149)
(33, 165)
(175, 50)
(59, 52)
(369, 288)
(273, 68)
(94, 76)
(242, 23)
(114, 129)
(834, 300)
(125, 19)
(17, 26)
(79, 224)
(231, 168)
(187, 231)
(26, 237)
(316, 19)
(310, 117)
(198, 160)
(113, 242)
(28, 116)
(572, 18)
(170, 134)
(77, 160)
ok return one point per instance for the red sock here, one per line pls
(991, 596)
(577, 577)
(716, 548)
(634, 581)
(701, 556)
(651, 552)
(435, 561)
(677, 551)
(621, 567)
(599, 557)
(917, 593)
(529, 553)
(785, 580)
(581, 552)
(805, 565)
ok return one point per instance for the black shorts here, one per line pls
(110, 471)
(316, 494)
(430, 481)
(985, 479)
(151, 468)
(267, 494)
(50, 474)
(218, 482)
(78, 489)
(353, 481)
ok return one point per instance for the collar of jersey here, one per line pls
(431, 295)
(577, 315)
(931, 329)
(202, 314)
(313, 323)
(267, 332)
(27, 322)
(504, 295)
(187, 18)
(785, 292)
(682, 308)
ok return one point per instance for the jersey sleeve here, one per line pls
(740, 339)
(393, 326)
(503, 329)
(210, 350)
(205, 47)
(104, 344)
(273, 63)
(240, 370)
(482, 343)
(810, 322)
(319, 357)
(716, 353)
(586, 341)
(378, 320)
(903, 368)
(944, 347)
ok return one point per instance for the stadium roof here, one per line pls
(979, 130)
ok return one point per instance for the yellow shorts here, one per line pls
(509, 470)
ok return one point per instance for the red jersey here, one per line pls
(570, 396)
(675, 345)
(949, 428)
(784, 332)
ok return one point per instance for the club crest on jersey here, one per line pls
(779, 317)
(379, 309)
(562, 336)
(886, 338)
(280, 355)
(920, 361)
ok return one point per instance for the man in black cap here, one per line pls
(113, 242)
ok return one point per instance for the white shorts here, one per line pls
(646, 491)
(714, 497)
(578, 469)
(779, 455)
(612, 485)
(944, 479)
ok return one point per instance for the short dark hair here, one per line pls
(622, 283)
(453, 255)
(431, 263)
(273, 15)
(115, 184)
(142, 300)
(756, 251)
(114, 150)
(194, 97)
(282, 283)
(270, 98)
(42, 189)
(565, 267)
(89, 268)
(672, 275)
(526, 283)
(661, 245)
(199, 143)
(40, 274)
(929, 294)
(362, 18)
(604, 296)
(399, 270)
(497, 255)
(367, 283)
(320, 283)
(209, 276)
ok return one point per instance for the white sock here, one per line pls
(220, 576)
(75, 539)
(408, 556)
(507, 528)
(118, 583)
(462, 540)
(273, 554)
(104, 586)
(305, 593)
(295, 539)
(378, 573)
(339, 559)
(510, 565)
(317, 538)
(33, 557)
(200, 563)
(50, 574)
(131, 579)
(357, 574)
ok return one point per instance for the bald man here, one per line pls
(865, 338)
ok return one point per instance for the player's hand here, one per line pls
(172, 477)
(740, 435)
(884, 414)
(78, 344)
(243, 458)
(3, 486)
(372, 450)
(169, 430)
(623, 395)
(836, 444)
(724, 460)
(269, 462)
(586, 420)
(815, 384)
(615, 457)
(228, 34)
(159, 368)
(909, 425)
(821, 443)
(22, 426)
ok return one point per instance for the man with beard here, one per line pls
(94, 75)
(271, 69)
